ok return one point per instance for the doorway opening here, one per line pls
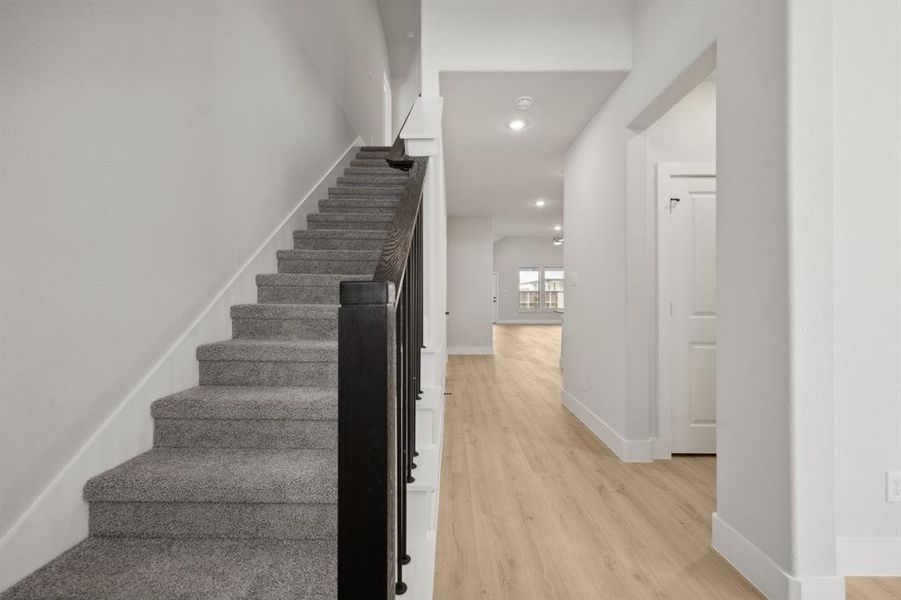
(672, 178)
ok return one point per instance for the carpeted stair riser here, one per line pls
(355, 267)
(373, 179)
(379, 163)
(330, 239)
(268, 373)
(235, 520)
(196, 569)
(302, 288)
(365, 192)
(354, 205)
(350, 221)
(249, 475)
(244, 433)
(285, 322)
(247, 362)
(371, 171)
(219, 402)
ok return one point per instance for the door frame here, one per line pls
(663, 172)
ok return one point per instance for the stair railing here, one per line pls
(379, 340)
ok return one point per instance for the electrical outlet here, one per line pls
(893, 486)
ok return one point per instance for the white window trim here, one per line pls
(542, 305)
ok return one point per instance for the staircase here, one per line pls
(237, 498)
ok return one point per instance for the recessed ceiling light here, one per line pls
(540, 203)
(558, 227)
(517, 124)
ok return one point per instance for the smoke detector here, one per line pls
(524, 102)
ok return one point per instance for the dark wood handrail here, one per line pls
(397, 156)
(393, 260)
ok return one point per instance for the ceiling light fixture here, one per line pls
(517, 124)
(558, 227)
(558, 241)
(524, 102)
(540, 203)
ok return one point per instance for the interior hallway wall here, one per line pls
(469, 249)
(511, 253)
(774, 289)
(868, 284)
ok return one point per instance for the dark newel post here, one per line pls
(367, 441)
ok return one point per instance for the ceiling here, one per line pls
(493, 171)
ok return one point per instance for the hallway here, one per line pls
(533, 506)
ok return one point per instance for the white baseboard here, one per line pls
(871, 557)
(529, 322)
(58, 518)
(765, 574)
(467, 350)
(626, 450)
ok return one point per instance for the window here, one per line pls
(529, 288)
(553, 288)
(540, 288)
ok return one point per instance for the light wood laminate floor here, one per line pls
(533, 506)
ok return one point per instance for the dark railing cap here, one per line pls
(367, 292)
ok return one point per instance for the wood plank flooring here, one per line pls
(534, 507)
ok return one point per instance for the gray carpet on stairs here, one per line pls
(237, 498)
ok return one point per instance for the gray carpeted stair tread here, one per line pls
(288, 476)
(235, 520)
(251, 402)
(329, 255)
(270, 351)
(346, 234)
(351, 205)
(191, 569)
(350, 221)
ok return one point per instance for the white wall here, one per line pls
(774, 499)
(149, 148)
(511, 253)
(345, 42)
(469, 249)
(868, 284)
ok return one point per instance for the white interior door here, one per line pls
(687, 209)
